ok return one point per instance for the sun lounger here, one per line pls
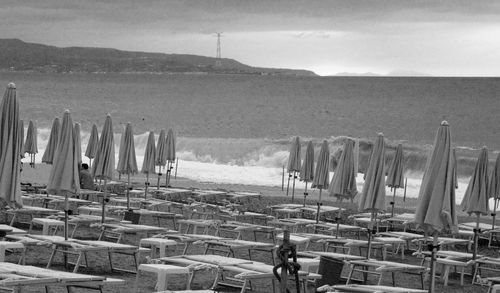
(239, 228)
(14, 277)
(331, 228)
(229, 247)
(245, 270)
(31, 212)
(9, 230)
(195, 224)
(379, 268)
(81, 248)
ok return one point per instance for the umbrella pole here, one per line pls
(176, 164)
(66, 208)
(435, 248)
(104, 201)
(159, 176)
(404, 194)
(393, 201)
(337, 219)
(305, 195)
(283, 179)
(370, 230)
(494, 213)
(128, 191)
(293, 186)
(147, 185)
(167, 175)
(288, 184)
(319, 205)
(476, 236)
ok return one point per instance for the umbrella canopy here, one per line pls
(10, 148)
(373, 194)
(161, 150)
(494, 187)
(307, 170)
(321, 178)
(30, 146)
(148, 165)
(48, 155)
(64, 176)
(104, 162)
(170, 149)
(294, 156)
(436, 199)
(93, 143)
(476, 197)
(78, 143)
(395, 177)
(127, 163)
(343, 183)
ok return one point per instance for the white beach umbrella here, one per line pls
(64, 176)
(161, 154)
(148, 164)
(294, 163)
(321, 178)
(395, 177)
(30, 145)
(127, 163)
(170, 149)
(93, 144)
(10, 148)
(104, 162)
(373, 194)
(436, 210)
(48, 155)
(307, 169)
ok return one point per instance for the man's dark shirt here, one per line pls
(86, 180)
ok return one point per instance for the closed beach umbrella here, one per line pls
(93, 144)
(356, 156)
(293, 165)
(161, 153)
(373, 194)
(494, 188)
(78, 143)
(436, 210)
(127, 163)
(321, 178)
(307, 169)
(10, 148)
(476, 196)
(148, 164)
(395, 174)
(104, 161)
(170, 149)
(64, 177)
(48, 155)
(343, 183)
(30, 145)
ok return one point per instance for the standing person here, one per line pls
(86, 180)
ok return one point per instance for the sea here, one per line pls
(237, 129)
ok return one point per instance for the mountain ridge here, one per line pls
(17, 55)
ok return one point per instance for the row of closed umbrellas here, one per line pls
(64, 153)
(436, 210)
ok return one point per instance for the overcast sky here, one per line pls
(442, 38)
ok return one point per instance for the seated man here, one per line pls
(86, 180)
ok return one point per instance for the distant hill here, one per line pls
(16, 55)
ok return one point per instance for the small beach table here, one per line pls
(379, 268)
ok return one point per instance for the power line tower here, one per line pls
(218, 62)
